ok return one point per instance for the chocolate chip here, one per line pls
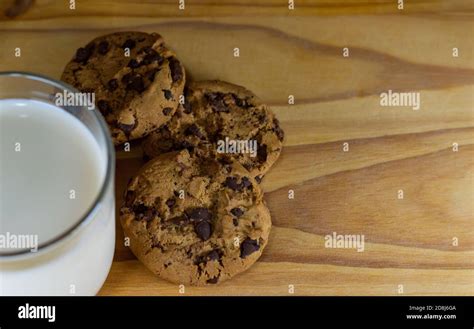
(127, 78)
(231, 182)
(140, 208)
(237, 212)
(129, 198)
(213, 255)
(170, 202)
(246, 182)
(151, 57)
(126, 128)
(277, 129)
(262, 153)
(187, 107)
(83, 54)
(186, 145)
(239, 102)
(136, 83)
(180, 220)
(162, 249)
(149, 214)
(213, 280)
(235, 221)
(203, 230)
(248, 247)
(103, 47)
(258, 179)
(175, 69)
(220, 106)
(151, 74)
(88, 90)
(129, 43)
(199, 214)
(133, 64)
(112, 84)
(216, 100)
(168, 94)
(147, 50)
(225, 161)
(144, 49)
(103, 106)
(193, 130)
(228, 168)
(167, 110)
(143, 212)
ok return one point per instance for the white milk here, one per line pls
(51, 172)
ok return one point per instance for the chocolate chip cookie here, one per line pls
(194, 220)
(136, 79)
(222, 120)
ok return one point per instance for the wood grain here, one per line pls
(409, 242)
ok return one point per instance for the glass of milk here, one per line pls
(57, 207)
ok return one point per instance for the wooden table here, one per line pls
(421, 244)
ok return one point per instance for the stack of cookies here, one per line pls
(195, 212)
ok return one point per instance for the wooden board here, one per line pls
(409, 241)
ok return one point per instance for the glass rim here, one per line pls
(86, 218)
